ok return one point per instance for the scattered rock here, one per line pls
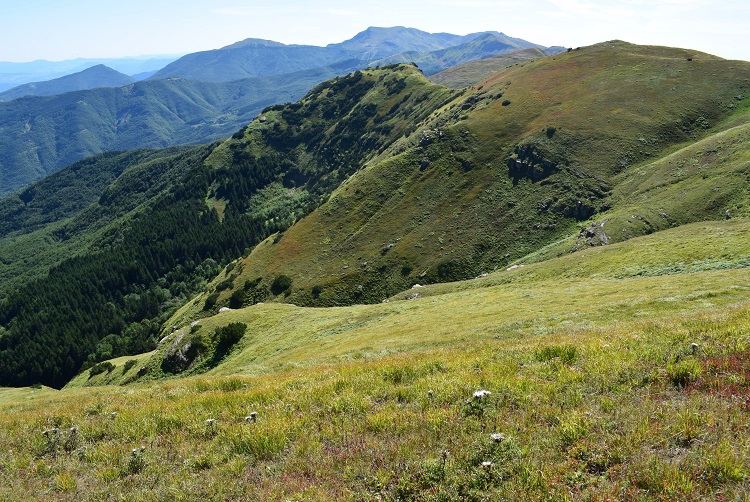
(592, 235)
(425, 138)
(182, 355)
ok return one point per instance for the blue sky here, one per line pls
(59, 29)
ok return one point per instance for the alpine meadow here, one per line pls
(450, 268)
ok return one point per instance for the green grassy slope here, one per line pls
(508, 169)
(592, 383)
(665, 274)
(418, 184)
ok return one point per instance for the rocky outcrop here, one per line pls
(182, 355)
(592, 235)
(527, 162)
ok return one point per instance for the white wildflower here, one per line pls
(479, 394)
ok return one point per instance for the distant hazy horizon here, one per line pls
(56, 31)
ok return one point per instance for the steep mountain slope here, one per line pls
(507, 169)
(90, 78)
(413, 183)
(43, 134)
(617, 372)
(157, 232)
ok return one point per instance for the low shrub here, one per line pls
(101, 368)
(129, 364)
(211, 301)
(281, 284)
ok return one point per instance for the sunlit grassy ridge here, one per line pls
(603, 381)
(669, 273)
(641, 138)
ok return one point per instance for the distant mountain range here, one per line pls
(481, 46)
(42, 134)
(15, 74)
(202, 96)
(374, 46)
(90, 78)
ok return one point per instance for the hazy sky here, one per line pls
(60, 29)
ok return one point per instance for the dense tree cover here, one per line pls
(113, 301)
(67, 192)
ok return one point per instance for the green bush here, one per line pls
(227, 337)
(211, 301)
(281, 284)
(406, 269)
(129, 364)
(225, 284)
(237, 300)
(101, 368)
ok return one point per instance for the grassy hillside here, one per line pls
(678, 270)
(514, 165)
(377, 181)
(596, 385)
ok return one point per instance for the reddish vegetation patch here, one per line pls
(727, 376)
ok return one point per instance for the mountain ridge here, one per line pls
(35, 142)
